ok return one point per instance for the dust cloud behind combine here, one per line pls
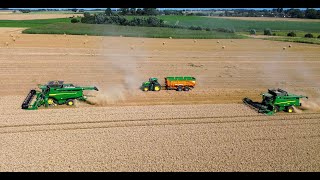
(286, 78)
(125, 69)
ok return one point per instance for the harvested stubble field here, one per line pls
(206, 129)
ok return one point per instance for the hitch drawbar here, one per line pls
(26, 102)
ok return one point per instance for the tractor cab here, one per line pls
(153, 80)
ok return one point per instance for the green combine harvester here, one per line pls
(54, 93)
(275, 100)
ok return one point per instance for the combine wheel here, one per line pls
(276, 109)
(70, 102)
(290, 109)
(51, 102)
(179, 88)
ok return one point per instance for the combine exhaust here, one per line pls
(27, 101)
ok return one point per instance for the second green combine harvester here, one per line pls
(54, 93)
(275, 100)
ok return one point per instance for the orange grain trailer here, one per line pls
(180, 83)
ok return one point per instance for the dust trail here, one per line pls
(286, 78)
(111, 95)
(308, 76)
(122, 79)
(297, 110)
(313, 105)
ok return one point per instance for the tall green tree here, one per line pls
(108, 12)
(295, 13)
(140, 12)
(124, 11)
(150, 11)
(132, 11)
(311, 13)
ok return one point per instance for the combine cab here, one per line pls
(275, 100)
(177, 83)
(54, 93)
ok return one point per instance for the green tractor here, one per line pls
(275, 100)
(54, 93)
(151, 85)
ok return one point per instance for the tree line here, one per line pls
(146, 21)
(309, 13)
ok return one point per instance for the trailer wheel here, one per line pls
(186, 88)
(179, 88)
(290, 109)
(70, 102)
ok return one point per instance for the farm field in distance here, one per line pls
(206, 129)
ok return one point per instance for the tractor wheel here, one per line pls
(70, 102)
(157, 88)
(276, 109)
(179, 88)
(186, 88)
(145, 89)
(290, 109)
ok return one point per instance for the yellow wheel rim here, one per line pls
(290, 110)
(50, 101)
(157, 88)
(70, 103)
(145, 89)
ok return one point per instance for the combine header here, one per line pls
(54, 93)
(176, 83)
(275, 100)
